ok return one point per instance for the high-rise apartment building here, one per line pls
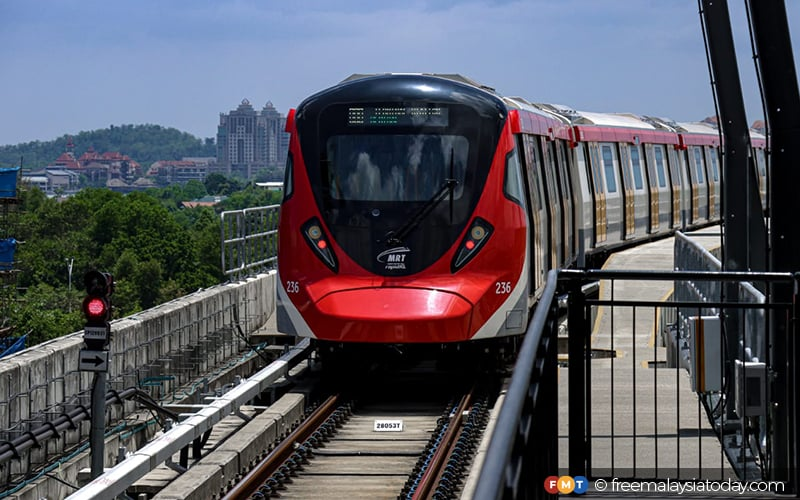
(249, 141)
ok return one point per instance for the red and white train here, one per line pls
(427, 209)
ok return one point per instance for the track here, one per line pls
(367, 433)
(399, 436)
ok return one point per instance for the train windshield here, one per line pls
(389, 175)
(393, 168)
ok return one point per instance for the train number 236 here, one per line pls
(292, 287)
(502, 287)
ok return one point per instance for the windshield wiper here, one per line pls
(397, 236)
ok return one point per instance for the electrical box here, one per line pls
(705, 353)
(750, 384)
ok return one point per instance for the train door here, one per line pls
(652, 189)
(666, 204)
(614, 200)
(680, 190)
(697, 166)
(553, 202)
(567, 200)
(598, 184)
(536, 204)
(712, 162)
(533, 227)
(639, 190)
(628, 219)
(583, 191)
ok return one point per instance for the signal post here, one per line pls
(95, 356)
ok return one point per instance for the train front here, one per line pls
(402, 220)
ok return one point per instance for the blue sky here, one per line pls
(75, 65)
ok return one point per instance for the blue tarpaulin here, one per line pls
(12, 345)
(8, 182)
(7, 247)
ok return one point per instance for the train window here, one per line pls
(662, 178)
(597, 171)
(712, 153)
(550, 171)
(512, 182)
(394, 167)
(534, 165)
(698, 165)
(608, 165)
(288, 178)
(636, 166)
(562, 172)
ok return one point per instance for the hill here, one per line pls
(142, 143)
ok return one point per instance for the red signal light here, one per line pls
(95, 308)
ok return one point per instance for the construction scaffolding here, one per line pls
(10, 341)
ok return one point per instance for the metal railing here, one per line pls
(629, 415)
(632, 415)
(523, 450)
(249, 241)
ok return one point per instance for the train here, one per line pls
(423, 211)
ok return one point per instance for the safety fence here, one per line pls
(726, 412)
(249, 241)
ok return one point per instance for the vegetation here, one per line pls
(155, 248)
(143, 143)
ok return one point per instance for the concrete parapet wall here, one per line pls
(169, 344)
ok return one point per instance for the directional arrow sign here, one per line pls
(93, 361)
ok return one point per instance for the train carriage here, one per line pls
(406, 220)
(427, 209)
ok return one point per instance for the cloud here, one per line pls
(75, 65)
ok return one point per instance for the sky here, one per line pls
(68, 66)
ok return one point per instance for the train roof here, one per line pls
(396, 87)
(612, 120)
(555, 120)
(534, 120)
(697, 128)
(447, 76)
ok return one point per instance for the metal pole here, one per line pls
(744, 234)
(778, 78)
(97, 436)
(578, 334)
(69, 281)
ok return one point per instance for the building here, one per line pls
(181, 171)
(53, 179)
(99, 168)
(249, 141)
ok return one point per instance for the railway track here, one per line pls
(391, 435)
(399, 436)
(373, 451)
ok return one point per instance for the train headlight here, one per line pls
(478, 234)
(318, 241)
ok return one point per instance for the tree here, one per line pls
(218, 184)
(42, 315)
(156, 249)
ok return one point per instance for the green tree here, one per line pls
(218, 184)
(44, 313)
(156, 250)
